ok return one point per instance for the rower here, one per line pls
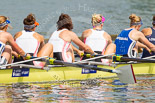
(98, 40)
(128, 41)
(150, 35)
(62, 37)
(29, 40)
(5, 37)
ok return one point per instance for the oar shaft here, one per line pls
(25, 61)
(120, 58)
(109, 56)
(57, 62)
(98, 56)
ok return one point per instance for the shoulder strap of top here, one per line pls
(28, 31)
(62, 30)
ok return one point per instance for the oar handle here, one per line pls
(57, 62)
(85, 55)
(121, 58)
(92, 56)
(27, 57)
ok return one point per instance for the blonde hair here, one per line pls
(134, 19)
(96, 18)
(2, 20)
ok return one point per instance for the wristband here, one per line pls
(93, 54)
(25, 55)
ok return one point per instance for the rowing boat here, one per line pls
(21, 74)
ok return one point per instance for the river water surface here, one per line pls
(91, 91)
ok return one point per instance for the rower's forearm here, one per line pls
(88, 50)
(18, 50)
(74, 49)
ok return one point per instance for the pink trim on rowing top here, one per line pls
(63, 51)
(104, 47)
(85, 40)
(36, 49)
(67, 49)
(103, 52)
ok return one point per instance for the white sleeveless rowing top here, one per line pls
(28, 43)
(2, 46)
(60, 46)
(96, 41)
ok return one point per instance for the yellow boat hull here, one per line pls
(67, 73)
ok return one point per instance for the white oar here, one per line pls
(125, 73)
(82, 61)
(25, 61)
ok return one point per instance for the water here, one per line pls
(47, 12)
(92, 91)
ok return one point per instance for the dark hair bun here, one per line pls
(30, 19)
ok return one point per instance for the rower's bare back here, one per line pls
(4, 37)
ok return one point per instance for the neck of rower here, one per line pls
(137, 27)
(98, 27)
(5, 29)
(30, 29)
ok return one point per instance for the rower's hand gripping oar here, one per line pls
(125, 73)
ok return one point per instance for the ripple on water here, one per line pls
(100, 90)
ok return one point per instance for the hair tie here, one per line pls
(137, 23)
(5, 23)
(103, 19)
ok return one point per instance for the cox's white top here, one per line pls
(96, 41)
(28, 43)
